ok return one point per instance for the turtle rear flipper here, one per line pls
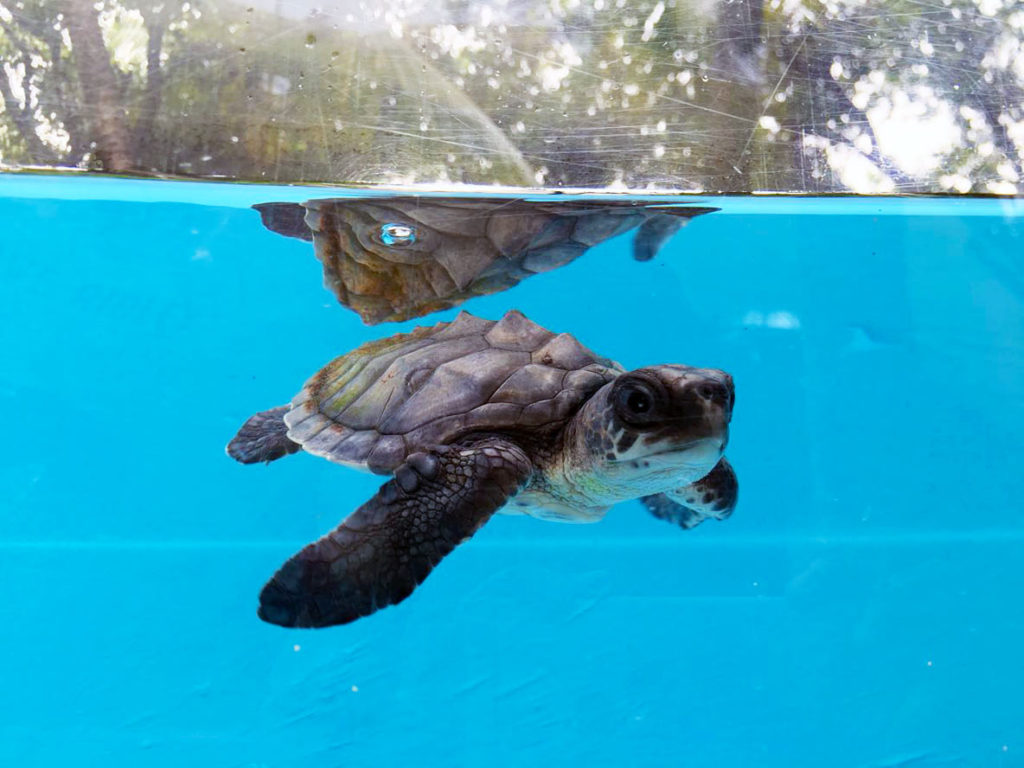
(264, 437)
(384, 549)
(714, 495)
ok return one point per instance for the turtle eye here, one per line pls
(638, 402)
(634, 403)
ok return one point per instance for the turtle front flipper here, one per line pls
(264, 437)
(654, 233)
(659, 229)
(714, 495)
(384, 549)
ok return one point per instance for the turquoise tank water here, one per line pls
(861, 607)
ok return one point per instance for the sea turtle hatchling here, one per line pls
(473, 417)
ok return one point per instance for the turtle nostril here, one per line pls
(715, 392)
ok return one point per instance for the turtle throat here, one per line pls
(605, 462)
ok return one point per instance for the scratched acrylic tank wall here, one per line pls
(861, 608)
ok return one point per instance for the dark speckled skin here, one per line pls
(713, 496)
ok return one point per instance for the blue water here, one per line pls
(861, 608)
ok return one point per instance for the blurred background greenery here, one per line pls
(696, 95)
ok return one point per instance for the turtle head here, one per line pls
(654, 429)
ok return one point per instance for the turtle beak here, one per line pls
(705, 396)
(717, 391)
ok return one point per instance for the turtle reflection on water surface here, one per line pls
(474, 417)
(395, 258)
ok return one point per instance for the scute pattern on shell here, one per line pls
(389, 398)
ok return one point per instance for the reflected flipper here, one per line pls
(713, 496)
(384, 549)
(288, 219)
(653, 234)
(658, 229)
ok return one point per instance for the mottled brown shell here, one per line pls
(389, 398)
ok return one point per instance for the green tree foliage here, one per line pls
(733, 96)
